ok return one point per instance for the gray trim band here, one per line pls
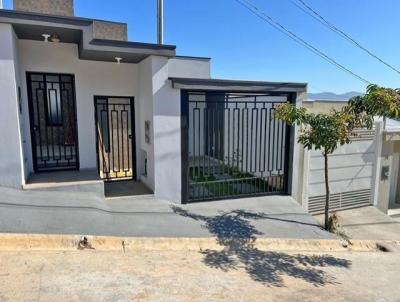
(235, 85)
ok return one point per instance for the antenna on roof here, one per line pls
(160, 21)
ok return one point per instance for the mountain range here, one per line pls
(330, 96)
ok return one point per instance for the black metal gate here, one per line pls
(233, 146)
(52, 111)
(115, 127)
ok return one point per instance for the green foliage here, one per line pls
(318, 131)
(327, 131)
(361, 115)
(233, 166)
(290, 114)
(378, 101)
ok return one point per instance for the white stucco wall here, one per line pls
(296, 170)
(387, 157)
(146, 113)
(398, 181)
(166, 120)
(394, 180)
(11, 157)
(184, 67)
(91, 78)
(350, 169)
(167, 133)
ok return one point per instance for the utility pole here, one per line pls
(160, 21)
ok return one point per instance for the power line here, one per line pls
(275, 24)
(314, 14)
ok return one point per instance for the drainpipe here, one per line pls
(160, 21)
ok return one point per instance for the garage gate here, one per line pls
(233, 146)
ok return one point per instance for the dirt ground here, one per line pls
(229, 275)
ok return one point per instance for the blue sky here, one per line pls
(244, 47)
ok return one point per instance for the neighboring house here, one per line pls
(76, 95)
(365, 172)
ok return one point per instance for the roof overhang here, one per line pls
(31, 26)
(236, 85)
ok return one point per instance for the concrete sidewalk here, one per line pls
(82, 213)
(368, 223)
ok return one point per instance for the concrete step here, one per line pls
(394, 211)
(67, 181)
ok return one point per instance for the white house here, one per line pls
(76, 95)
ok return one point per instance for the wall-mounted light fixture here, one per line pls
(118, 59)
(46, 37)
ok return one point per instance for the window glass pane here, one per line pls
(54, 112)
(37, 77)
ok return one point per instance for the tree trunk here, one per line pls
(327, 191)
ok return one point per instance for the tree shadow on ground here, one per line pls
(233, 230)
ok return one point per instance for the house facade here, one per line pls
(76, 95)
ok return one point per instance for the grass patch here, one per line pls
(236, 182)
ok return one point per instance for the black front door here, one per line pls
(52, 110)
(115, 128)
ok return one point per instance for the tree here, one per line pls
(378, 101)
(321, 131)
(326, 132)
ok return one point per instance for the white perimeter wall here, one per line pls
(91, 78)
(351, 173)
(11, 163)
(350, 169)
(354, 169)
(167, 121)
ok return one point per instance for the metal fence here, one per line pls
(234, 145)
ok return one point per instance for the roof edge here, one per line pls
(194, 58)
(186, 83)
(9, 13)
(129, 44)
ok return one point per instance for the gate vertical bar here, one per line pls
(184, 146)
(289, 145)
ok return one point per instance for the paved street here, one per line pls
(236, 275)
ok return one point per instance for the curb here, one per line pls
(37, 242)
